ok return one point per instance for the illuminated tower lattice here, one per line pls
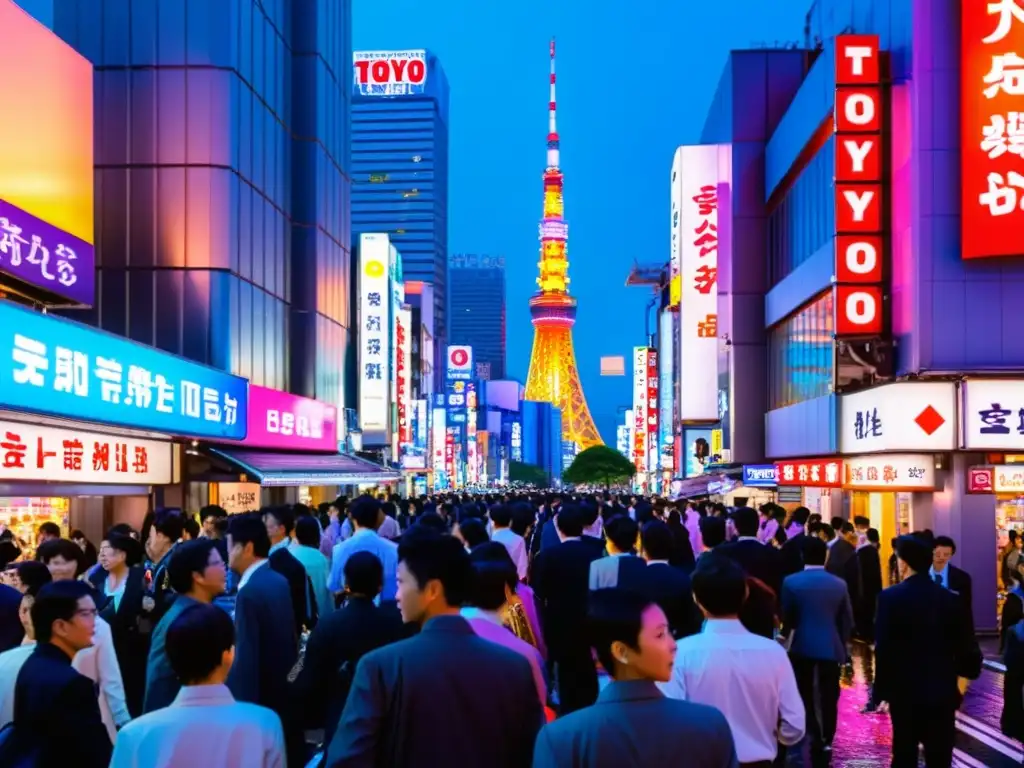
(553, 376)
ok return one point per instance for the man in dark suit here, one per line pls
(667, 585)
(761, 561)
(796, 534)
(818, 618)
(621, 568)
(11, 633)
(280, 521)
(56, 711)
(266, 644)
(949, 576)
(842, 555)
(560, 580)
(406, 696)
(341, 639)
(923, 643)
(869, 564)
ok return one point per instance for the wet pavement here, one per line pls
(865, 740)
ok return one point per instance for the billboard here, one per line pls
(703, 174)
(403, 374)
(640, 409)
(675, 251)
(374, 329)
(390, 73)
(666, 358)
(991, 122)
(46, 159)
(860, 218)
(289, 422)
(460, 363)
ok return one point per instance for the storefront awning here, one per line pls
(291, 469)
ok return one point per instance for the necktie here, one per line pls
(938, 579)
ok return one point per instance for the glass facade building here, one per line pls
(400, 179)
(222, 195)
(801, 358)
(476, 312)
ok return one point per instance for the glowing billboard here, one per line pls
(46, 159)
(390, 73)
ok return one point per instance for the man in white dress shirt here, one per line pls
(501, 517)
(205, 725)
(746, 676)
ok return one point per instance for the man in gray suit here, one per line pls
(633, 723)
(406, 697)
(818, 618)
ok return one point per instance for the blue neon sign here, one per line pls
(759, 475)
(63, 368)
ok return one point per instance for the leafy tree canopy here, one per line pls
(599, 465)
(518, 472)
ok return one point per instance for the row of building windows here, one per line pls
(801, 354)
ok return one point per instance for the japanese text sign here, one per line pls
(653, 416)
(759, 475)
(374, 332)
(39, 254)
(460, 363)
(993, 414)
(859, 268)
(891, 472)
(67, 369)
(991, 127)
(812, 473)
(289, 422)
(403, 374)
(238, 497)
(390, 73)
(903, 416)
(675, 251)
(30, 452)
(641, 407)
(704, 174)
(1007, 478)
(981, 479)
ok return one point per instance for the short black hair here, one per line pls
(719, 584)
(944, 541)
(124, 529)
(872, 535)
(197, 640)
(64, 548)
(50, 529)
(523, 516)
(800, 515)
(300, 510)
(188, 558)
(247, 528)
(590, 514)
(364, 574)
(915, 551)
(712, 531)
(657, 540)
(212, 510)
(501, 516)
(815, 550)
(836, 522)
(131, 548)
(57, 600)
(307, 531)
(170, 522)
(365, 511)
(492, 573)
(622, 531)
(33, 576)
(828, 530)
(433, 522)
(474, 531)
(569, 520)
(440, 558)
(846, 528)
(745, 521)
(862, 522)
(284, 516)
(614, 616)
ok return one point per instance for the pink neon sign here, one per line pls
(286, 421)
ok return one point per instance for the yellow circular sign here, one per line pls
(374, 268)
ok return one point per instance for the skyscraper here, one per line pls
(476, 310)
(553, 377)
(222, 228)
(400, 162)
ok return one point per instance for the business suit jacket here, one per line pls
(633, 724)
(670, 588)
(793, 554)
(816, 606)
(406, 696)
(128, 625)
(843, 562)
(561, 582)
(923, 643)
(57, 710)
(303, 604)
(625, 571)
(761, 561)
(341, 638)
(869, 564)
(161, 683)
(1012, 719)
(960, 583)
(11, 632)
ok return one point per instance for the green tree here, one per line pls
(599, 465)
(518, 472)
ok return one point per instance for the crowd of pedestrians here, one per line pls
(518, 629)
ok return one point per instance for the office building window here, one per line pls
(801, 354)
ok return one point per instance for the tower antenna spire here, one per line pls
(553, 158)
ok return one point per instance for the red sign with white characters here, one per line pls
(991, 128)
(981, 479)
(860, 205)
(812, 473)
(30, 452)
(652, 408)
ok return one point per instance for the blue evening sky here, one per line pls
(635, 78)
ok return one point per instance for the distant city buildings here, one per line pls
(476, 310)
(399, 162)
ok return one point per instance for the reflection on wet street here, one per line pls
(864, 740)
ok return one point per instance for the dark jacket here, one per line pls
(923, 643)
(816, 607)
(11, 632)
(793, 554)
(761, 561)
(670, 588)
(334, 648)
(131, 632)
(960, 583)
(561, 583)
(844, 563)
(1012, 720)
(869, 564)
(303, 603)
(161, 683)
(407, 696)
(56, 709)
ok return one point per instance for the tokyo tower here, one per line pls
(553, 377)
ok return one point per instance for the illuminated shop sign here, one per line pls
(66, 369)
(759, 475)
(903, 416)
(640, 407)
(891, 472)
(812, 473)
(390, 73)
(460, 363)
(374, 332)
(858, 184)
(991, 128)
(287, 421)
(993, 414)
